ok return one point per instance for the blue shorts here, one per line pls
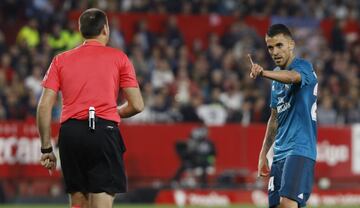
(293, 178)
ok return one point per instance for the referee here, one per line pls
(90, 144)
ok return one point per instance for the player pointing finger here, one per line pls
(256, 70)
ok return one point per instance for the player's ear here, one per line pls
(292, 44)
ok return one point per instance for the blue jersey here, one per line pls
(296, 108)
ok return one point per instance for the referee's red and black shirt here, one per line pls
(90, 75)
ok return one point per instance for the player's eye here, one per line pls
(279, 45)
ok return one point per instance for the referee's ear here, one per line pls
(106, 29)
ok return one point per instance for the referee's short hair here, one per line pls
(92, 22)
(279, 29)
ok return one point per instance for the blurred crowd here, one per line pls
(185, 83)
(298, 8)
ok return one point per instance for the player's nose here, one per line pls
(275, 51)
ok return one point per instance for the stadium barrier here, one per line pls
(151, 156)
(224, 198)
(151, 149)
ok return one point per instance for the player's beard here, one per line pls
(279, 61)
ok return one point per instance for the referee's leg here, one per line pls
(79, 200)
(91, 200)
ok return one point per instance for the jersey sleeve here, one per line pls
(127, 74)
(306, 71)
(52, 77)
(273, 98)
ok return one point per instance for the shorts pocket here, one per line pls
(115, 135)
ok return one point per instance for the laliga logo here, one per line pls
(180, 198)
(259, 198)
(210, 199)
(332, 154)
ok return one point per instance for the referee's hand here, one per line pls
(263, 167)
(48, 160)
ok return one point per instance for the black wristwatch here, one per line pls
(46, 150)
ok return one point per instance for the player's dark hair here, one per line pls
(279, 29)
(92, 22)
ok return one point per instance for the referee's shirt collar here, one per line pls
(92, 42)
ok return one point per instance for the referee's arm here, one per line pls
(43, 120)
(134, 102)
(43, 116)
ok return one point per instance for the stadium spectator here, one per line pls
(58, 38)
(232, 98)
(223, 53)
(41, 10)
(10, 11)
(143, 37)
(338, 42)
(213, 112)
(161, 76)
(74, 37)
(2, 43)
(172, 33)
(189, 111)
(326, 112)
(29, 34)
(3, 114)
(33, 82)
(117, 39)
(6, 68)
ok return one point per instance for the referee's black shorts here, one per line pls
(92, 162)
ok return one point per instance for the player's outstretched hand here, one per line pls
(256, 70)
(48, 161)
(263, 167)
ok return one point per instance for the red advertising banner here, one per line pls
(198, 27)
(237, 148)
(20, 150)
(334, 153)
(193, 27)
(223, 198)
(151, 150)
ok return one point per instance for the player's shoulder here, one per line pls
(303, 63)
(306, 67)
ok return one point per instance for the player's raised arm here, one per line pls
(283, 76)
